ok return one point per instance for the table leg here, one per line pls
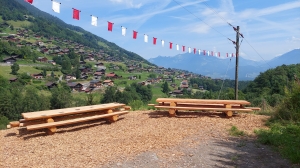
(112, 118)
(172, 112)
(228, 113)
(51, 130)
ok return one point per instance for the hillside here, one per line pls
(49, 26)
(216, 68)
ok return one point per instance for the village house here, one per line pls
(108, 83)
(184, 84)
(75, 86)
(51, 85)
(111, 75)
(9, 60)
(42, 59)
(13, 79)
(70, 77)
(95, 84)
(97, 75)
(38, 76)
(132, 77)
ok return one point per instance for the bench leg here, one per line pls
(52, 130)
(112, 118)
(228, 113)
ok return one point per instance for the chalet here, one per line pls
(95, 83)
(42, 59)
(98, 74)
(51, 85)
(82, 62)
(101, 69)
(108, 83)
(75, 86)
(9, 60)
(13, 80)
(38, 76)
(184, 84)
(111, 75)
(176, 92)
(173, 85)
(201, 87)
(70, 77)
(40, 43)
(52, 62)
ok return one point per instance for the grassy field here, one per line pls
(6, 70)
(102, 44)
(19, 23)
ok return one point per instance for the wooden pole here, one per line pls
(237, 63)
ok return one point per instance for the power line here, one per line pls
(199, 18)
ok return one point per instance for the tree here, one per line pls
(165, 88)
(109, 95)
(12, 27)
(52, 74)
(44, 73)
(15, 68)
(60, 97)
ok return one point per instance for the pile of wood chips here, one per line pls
(96, 143)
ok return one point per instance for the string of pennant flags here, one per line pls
(94, 22)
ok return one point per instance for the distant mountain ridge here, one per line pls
(216, 68)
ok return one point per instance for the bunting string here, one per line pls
(94, 22)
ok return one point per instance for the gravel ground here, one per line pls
(143, 139)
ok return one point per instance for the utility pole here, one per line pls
(237, 62)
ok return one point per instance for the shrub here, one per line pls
(234, 131)
(136, 104)
(3, 122)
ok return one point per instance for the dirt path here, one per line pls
(143, 139)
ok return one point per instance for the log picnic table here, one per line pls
(50, 119)
(225, 106)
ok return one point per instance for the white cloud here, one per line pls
(128, 3)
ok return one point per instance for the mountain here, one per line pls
(217, 68)
(49, 26)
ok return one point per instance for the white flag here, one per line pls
(146, 38)
(199, 52)
(208, 53)
(189, 49)
(123, 31)
(177, 46)
(56, 6)
(94, 20)
(162, 42)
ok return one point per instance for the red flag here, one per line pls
(183, 48)
(212, 53)
(154, 40)
(29, 1)
(203, 52)
(227, 54)
(219, 54)
(76, 14)
(134, 34)
(171, 45)
(232, 55)
(195, 50)
(110, 26)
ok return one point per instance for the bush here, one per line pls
(3, 122)
(234, 131)
(136, 104)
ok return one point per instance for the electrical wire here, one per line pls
(224, 79)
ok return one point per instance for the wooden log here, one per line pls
(14, 124)
(112, 119)
(203, 101)
(8, 126)
(73, 121)
(200, 108)
(172, 112)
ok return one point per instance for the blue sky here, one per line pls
(272, 27)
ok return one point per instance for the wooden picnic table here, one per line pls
(50, 119)
(226, 106)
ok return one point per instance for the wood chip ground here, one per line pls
(99, 144)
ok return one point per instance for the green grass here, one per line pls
(102, 44)
(234, 131)
(284, 137)
(19, 23)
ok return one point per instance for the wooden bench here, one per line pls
(50, 119)
(226, 106)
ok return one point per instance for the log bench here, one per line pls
(51, 119)
(226, 106)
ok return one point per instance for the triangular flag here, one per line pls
(219, 54)
(212, 53)
(208, 53)
(162, 42)
(134, 34)
(195, 50)
(232, 55)
(29, 1)
(183, 48)
(76, 14)
(203, 52)
(154, 40)
(56, 6)
(177, 47)
(123, 31)
(110, 26)
(227, 54)
(199, 51)
(170, 45)
(146, 38)
(189, 49)
(94, 20)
